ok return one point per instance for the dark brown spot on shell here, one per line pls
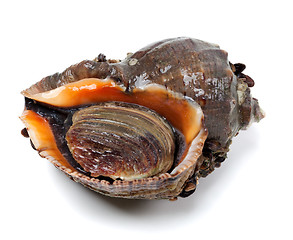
(24, 133)
(239, 68)
(101, 58)
(190, 187)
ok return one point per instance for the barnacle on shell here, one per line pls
(145, 127)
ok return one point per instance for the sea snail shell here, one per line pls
(145, 127)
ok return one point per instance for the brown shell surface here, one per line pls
(194, 68)
(197, 70)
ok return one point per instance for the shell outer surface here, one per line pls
(182, 70)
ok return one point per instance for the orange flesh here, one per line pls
(179, 112)
(42, 137)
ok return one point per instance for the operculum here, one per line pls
(121, 140)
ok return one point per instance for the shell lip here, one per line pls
(194, 152)
(172, 171)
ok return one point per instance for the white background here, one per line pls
(249, 197)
